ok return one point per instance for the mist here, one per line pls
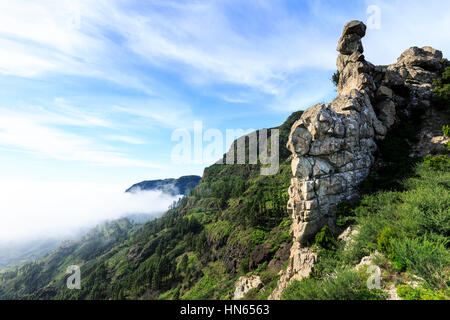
(31, 210)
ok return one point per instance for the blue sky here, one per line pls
(92, 90)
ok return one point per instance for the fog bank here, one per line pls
(37, 210)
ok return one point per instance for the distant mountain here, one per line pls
(180, 186)
(19, 253)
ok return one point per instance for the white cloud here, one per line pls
(197, 40)
(125, 139)
(162, 112)
(201, 42)
(405, 24)
(38, 209)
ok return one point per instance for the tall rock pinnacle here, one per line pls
(333, 144)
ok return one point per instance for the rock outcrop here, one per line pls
(245, 284)
(334, 144)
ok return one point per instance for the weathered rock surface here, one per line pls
(301, 264)
(368, 260)
(260, 254)
(348, 236)
(245, 284)
(333, 144)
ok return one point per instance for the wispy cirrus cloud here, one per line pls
(275, 56)
(38, 136)
(125, 139)
(198, 40)
(259, 44)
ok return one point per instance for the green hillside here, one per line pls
(232, 223)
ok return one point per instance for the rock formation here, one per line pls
(333, 144)
(245, 284)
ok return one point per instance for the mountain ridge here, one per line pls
(172, 186)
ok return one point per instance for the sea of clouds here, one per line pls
(59, 210)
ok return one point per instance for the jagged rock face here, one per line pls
(333, 144)
(245, 284)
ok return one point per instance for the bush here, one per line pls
(325, 239)
(384, 241)
(335, 78)
(441, 162)
(346, 285)
(446, 130)
(344, 213)
(427, 259)
(259, 236)
(441, 92)
(243, 267)
(421, 209)
(408, 292)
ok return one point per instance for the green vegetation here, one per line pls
(197, 250)
(204, 243)
(440, 162)
(408, 292)
(344, 285)
(325, 239)
(446, 130)
(441, 92)
(409, 225)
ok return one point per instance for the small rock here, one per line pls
(245, 284)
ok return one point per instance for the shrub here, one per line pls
(446, 130)
(325, 239)
(259, 236)
(335, 78)
(408, 292)
(426, 259)
(441, 92)
(441, 162)
(427, 208)
(345, 285)
(344, 213)
(384, 241)
(243, 267)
